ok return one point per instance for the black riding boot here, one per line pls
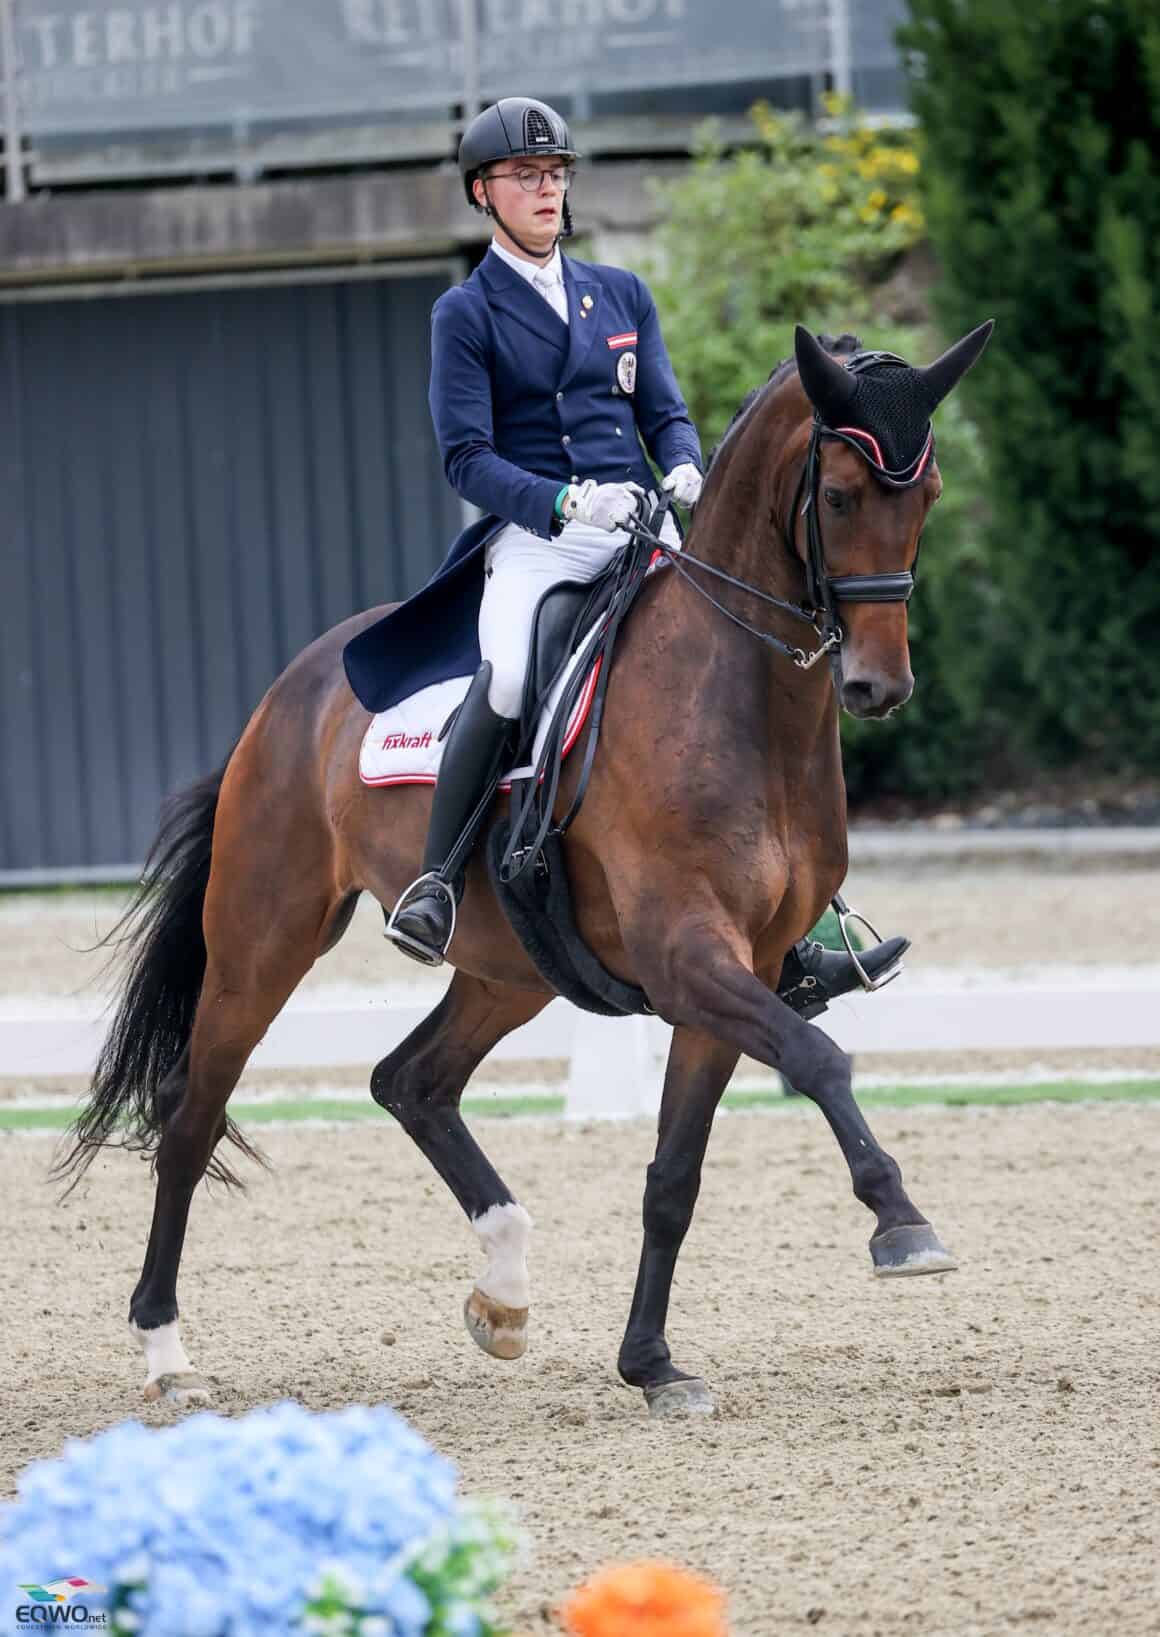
(812, 975)
(424, 918)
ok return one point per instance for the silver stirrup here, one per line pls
(845, 915)
(417, 951)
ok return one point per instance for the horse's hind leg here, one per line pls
(239, 1000)
(421, 1083)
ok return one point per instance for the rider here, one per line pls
(544, 369)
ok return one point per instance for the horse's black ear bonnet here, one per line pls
(880, 405)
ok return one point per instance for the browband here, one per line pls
(866, 445)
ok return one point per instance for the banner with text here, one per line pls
(134, 65)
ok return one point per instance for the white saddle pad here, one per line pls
(402, 745)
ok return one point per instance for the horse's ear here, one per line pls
(946, 372)
(828, 386)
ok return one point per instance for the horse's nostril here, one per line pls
(876, 696)
(860, 696)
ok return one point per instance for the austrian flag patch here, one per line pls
(628, 339)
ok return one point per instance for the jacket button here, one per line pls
(559, 397)
(565, 440)
(615, 391)
(619, 433)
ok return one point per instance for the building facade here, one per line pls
(224, 224)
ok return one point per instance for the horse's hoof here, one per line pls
(501, 1331)
(913, 1248)
(187, 1389)
(670, 1399)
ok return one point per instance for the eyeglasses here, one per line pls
(531, 179)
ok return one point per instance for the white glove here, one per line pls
(605, 505)
(684, 484)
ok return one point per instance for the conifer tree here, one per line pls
(1040, 145)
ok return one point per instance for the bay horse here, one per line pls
(712, 838)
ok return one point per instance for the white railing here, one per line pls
(615, 1066)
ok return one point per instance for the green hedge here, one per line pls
(805, 227)
(1041, 185)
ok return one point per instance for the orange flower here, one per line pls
(646, 1600)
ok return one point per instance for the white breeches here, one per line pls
(518, 568)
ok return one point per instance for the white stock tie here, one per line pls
(553, 292)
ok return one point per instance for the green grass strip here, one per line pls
(296, 1110)
(967, 1095)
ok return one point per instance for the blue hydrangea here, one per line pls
(342, 1525)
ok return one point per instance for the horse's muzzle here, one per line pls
(875, 696)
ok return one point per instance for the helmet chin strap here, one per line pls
(542, 256)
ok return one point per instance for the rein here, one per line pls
(831, 637)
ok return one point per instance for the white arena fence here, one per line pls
(615, 1065)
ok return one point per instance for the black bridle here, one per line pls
(825, 592)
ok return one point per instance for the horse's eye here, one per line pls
(835, 498)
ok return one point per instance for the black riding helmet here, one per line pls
(513, 128)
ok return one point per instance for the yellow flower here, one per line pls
(876, 200)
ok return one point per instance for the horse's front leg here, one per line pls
(698, 1071)
(702, 981)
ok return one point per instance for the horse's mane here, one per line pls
(841, 346)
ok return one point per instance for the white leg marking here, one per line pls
(164, 1353)
(504, 1232)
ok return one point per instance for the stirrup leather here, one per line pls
(435, 883)
(845, 915)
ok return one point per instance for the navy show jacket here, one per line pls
(523, 404)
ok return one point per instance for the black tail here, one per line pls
(160, 941)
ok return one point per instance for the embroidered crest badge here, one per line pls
(626, 372)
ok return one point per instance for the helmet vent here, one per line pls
(538, 132)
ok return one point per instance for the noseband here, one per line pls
(824, 591)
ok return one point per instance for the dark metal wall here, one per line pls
(193, 485)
